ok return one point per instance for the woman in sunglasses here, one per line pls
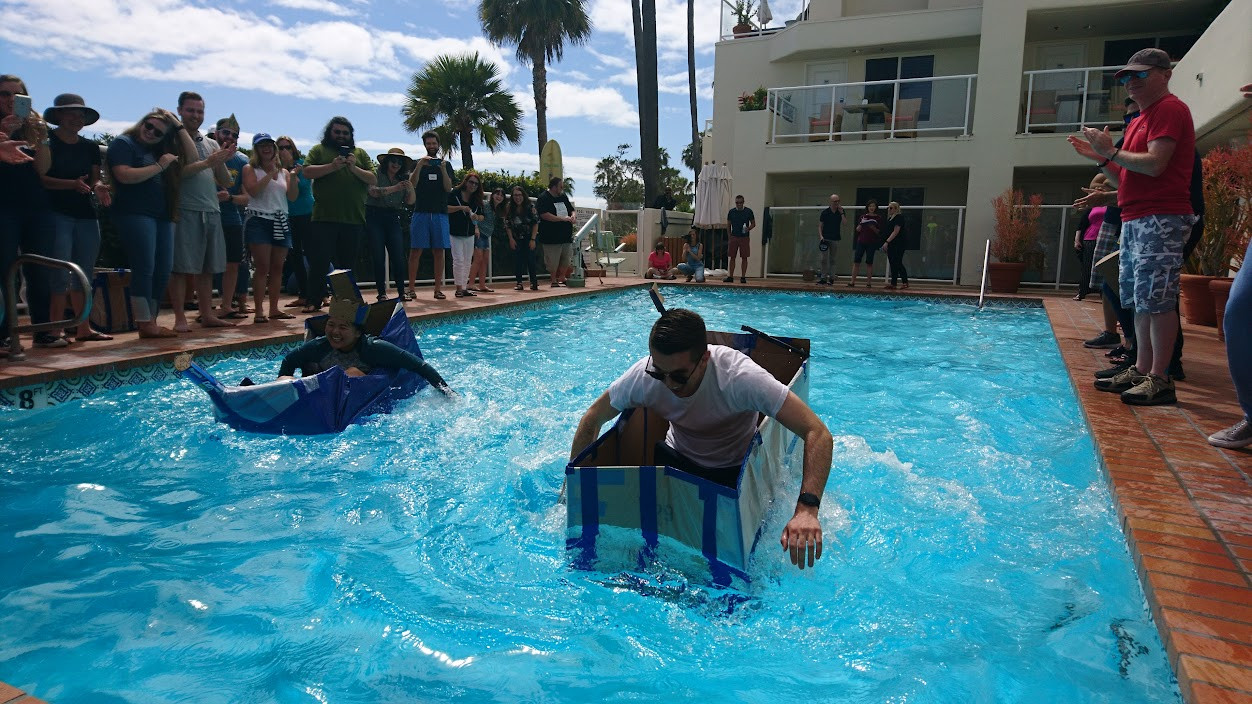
(522, 225)
(145, 161)
(465, 204)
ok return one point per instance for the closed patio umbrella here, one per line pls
(707, 198)
(763, 15)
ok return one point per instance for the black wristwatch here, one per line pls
(810, 499)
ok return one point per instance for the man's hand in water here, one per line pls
(802, 536)
(353, 371)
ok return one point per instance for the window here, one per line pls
(889, 69)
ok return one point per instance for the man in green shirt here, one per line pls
(342, 174)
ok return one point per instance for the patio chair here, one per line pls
(1042, 110)
(605, 247)
(820, 125)
(904, 121)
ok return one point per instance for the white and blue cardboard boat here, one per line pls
(615, 482)
(326, 402)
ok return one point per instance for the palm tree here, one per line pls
(691, 87)
(460, 95)
(539, 30)
(643, 14)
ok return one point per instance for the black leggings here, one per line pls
(663, 454)
(524, 262)
(300, 225)
(1084, 279)
(895, 257)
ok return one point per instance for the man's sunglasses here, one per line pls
(156, 132)
(681, 378)
(1125, 78)
(228, 133)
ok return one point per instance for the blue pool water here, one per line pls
(148, 554)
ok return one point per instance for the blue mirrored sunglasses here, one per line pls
(1125, 78)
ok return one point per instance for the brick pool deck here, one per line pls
(1184, 506)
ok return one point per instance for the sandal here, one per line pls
(258, 320)
(282, 315)
(93, 337)
(233, 315)
(410, 295)
(298, 303)
(484, 289)
(517, 287)
(534, 287)
(439, 296)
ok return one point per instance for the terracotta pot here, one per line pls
(1220, 290)
(1196, 302)
(741, 29)
(1005, 277)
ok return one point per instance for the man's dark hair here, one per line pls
(679, 330)
(328, 141)
(552, 182)
(427, 135)
(188, 95)
(739, 196)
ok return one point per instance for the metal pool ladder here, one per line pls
(10, 301)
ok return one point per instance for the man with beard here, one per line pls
(342, 174)
(432, 182)
(199, 243)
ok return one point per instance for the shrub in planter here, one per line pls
(1016, 243)
(1227, 229)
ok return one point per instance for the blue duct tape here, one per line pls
(647, 504)
(591, 506)
(708, 537)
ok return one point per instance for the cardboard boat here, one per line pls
(615, 482)
(326, 402)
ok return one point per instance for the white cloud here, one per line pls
(599, 104)
(607, 60)
(315, 5)
(174, 39)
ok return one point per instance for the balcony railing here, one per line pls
(939, 230)
(1067, 99)
(731, 29)
(907, 107)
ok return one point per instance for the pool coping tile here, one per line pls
(1185, 506)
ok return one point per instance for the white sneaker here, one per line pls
(1234, 437)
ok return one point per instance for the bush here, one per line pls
(630, 243)
(1227, 212)
(1017, 227)
(754, 100)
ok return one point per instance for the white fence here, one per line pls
(906, 107)
(1068, 99)
(938, 229)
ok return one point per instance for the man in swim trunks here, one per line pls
(711, 395)
(344, 345)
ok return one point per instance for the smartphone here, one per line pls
(344, 150)
(21, 106)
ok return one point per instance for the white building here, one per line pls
(944, 104)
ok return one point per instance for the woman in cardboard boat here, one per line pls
(711, 395)
(345, 345)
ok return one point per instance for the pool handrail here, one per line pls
(592, 225)
(10, 301)
(982, 281)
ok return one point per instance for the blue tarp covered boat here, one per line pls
(323, 403)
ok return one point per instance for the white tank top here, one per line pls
(273, 199)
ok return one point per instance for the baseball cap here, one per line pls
(1145, 59)
(261, 137)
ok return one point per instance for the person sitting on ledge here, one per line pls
(346, 346)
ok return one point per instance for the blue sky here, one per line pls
(286, 66)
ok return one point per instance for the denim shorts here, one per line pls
(429, 231)
(482, 241)
(259, 230)
(1151, 261)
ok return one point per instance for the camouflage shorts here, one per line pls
(1151, 261)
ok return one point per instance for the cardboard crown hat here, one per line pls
(346, 302)
(230, 122)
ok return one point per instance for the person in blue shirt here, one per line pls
(232, 200)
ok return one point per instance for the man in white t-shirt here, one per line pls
(711, 396)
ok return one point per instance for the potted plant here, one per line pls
(1227, 230)
(743, 10)
(754, 100)
(1016, 242)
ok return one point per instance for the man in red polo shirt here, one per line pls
(1152, 173)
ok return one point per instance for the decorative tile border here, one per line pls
(58, 391)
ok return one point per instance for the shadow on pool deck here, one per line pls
(1184, 506)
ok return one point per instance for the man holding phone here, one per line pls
(432, 182)
(342, 174)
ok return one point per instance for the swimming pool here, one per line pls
(972, 553)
